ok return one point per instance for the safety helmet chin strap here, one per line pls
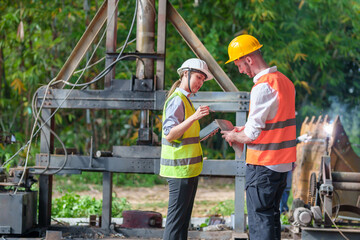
(189, 73)
(190, 70)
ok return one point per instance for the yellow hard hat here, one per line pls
(242, 45)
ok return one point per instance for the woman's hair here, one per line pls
(174, 86)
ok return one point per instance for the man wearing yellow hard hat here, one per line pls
(270, 135)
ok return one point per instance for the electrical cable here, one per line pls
(337, 205)
(103, 58)
(53, 82)
(48, 85)
(43, 101)
(46, 139)
(31, 137)
(58, 81)
(110, 66)
(341, 233)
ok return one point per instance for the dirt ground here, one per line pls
(211, 191)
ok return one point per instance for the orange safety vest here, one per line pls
(276, 143)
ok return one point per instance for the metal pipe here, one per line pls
(145, 42)
(199, 49)
(144, 116)
(145, 37)
(345, 176)
(111, 36)
(349, 186)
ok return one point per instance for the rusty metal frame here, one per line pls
(199, 49)
(165, 12)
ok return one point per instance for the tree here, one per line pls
(315, 43)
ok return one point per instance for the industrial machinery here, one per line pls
(18, 210)
(326, 182)
(144, 92)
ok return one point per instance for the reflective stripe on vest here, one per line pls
(183, 142)
(181, 162)
(280, 124)
(273, 146)
(182, 158)
(276, 143)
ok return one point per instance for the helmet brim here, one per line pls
(208, 74)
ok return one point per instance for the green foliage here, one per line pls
(315, 43)
(205, 224)
(65, 183)
(284, 219)
(223, 208)
(72, 205)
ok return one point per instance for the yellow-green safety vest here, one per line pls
(182, 158)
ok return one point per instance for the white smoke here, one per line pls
(350, 119)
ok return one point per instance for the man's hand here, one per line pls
(236, 135)
(239, 129)
(229, 136)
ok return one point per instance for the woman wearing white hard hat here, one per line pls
(181, 154)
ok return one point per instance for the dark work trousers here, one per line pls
(181, 200)
(264, 188)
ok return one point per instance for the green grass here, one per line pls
(223, 208)
(65, 183)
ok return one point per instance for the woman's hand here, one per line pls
(201, 112)
(177, 131)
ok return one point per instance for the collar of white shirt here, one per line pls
(187, 94)
(263, 72)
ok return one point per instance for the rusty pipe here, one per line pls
(145, 37)
(347, 186)
(346, 177)
(145, 42)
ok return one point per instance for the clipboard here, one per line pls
(224, 125)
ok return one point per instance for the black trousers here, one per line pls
(264, 188)
(181, 200)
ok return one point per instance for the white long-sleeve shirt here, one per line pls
(264, 105)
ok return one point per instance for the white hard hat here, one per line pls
(197, 65)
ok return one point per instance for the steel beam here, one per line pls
(107, 200)
(239, 218)
(221, 168)
(102, 99)
(199, 49)
(106, 99)
(223, 102)
(46, 181)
